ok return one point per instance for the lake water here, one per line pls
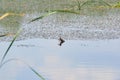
(90, 51)
(74, 60)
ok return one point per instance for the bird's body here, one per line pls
(61, 41)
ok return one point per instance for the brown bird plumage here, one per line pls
(61, 41)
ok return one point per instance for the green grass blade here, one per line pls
(106, 3)
(7, 34)
(87, 3)
(53, 12)
(92, 1)
(41, 17)
(32, 69)
(36, 73)
(3, 35)
(79, 4)
(5, 54)
(66, 11)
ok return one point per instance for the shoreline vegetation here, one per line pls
(22, 7)
(97, 5)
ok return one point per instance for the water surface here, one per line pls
(74, 60)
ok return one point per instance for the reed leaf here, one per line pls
(53, 12)
(5, 54)
(10, 14)
(32, 69)
(4, 15)
(3, 35)
(79, 4)
(41, 17)
(36, 73)
(106, 3)
(7, 34)
(117, 5)
(92, 1)
(87, 3)
(66, 11)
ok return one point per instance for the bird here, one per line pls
(61, 41)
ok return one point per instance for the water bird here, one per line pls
(61, 41)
